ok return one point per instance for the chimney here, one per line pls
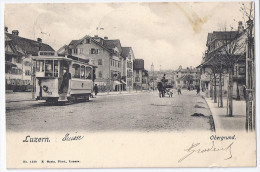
(240, 27)
(106, 38)
(39, 40)
(15, 32)
(6, 29)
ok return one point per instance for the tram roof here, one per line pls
(67, 58)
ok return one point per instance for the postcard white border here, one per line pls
(2, 93)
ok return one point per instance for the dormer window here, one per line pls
(87, 40)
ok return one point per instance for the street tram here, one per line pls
(63, 78)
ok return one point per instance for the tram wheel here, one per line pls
(75, 99)
(86, 98)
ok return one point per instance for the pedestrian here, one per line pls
(179, 89)
(198, 90)
(65, 81)
(160, 89)
(95, 89)
(244, 91)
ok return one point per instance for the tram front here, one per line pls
(48, 77)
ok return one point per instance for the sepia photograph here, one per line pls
(130, 84)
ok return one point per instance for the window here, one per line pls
(129, 74)
(56, 68)
(111, 62)
(39, 66)
(26, 63)
(118, 63)
(81, 51)
(19, 60)
(49, 68)
(87, 41)
(137, 79)
(241, 70)
(27, 72)
(99, 61)
(82, 72)
(75, 51)
(88, 72)
(129, 64)
(94, 51)
(75, 71)
(100, 74)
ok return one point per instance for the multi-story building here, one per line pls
(105, 54)
(217, 42)
(140, 75)
(186, 77)
(128, 68)
(18, 61)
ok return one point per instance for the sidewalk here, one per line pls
(224, 122)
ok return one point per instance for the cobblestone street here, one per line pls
(120, 112)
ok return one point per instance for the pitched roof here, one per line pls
(125, 52)
(28, 45)
(138, 64)
(74, 43)
(221, 35)
(111, 44)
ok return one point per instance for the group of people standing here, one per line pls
(161, 86)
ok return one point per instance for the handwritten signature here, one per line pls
(195, 148)
(68, 137)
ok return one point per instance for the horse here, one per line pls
(161, 89)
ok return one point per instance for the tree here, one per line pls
(229, 54)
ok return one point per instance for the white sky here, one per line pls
(165, 34)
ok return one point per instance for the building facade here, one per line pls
(18, 60)
(186, 77)
(141, 77)
(103, 53)
(128, 67)
(217, 44)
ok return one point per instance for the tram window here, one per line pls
(39, 66)
(49, 68)
(75, 71)
(56, 68)
(88, 72)
(82, 72)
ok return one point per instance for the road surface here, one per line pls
(143, 112)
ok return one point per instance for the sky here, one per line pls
(166, 34)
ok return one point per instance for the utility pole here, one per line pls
(250, 88)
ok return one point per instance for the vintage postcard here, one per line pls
(130, 84)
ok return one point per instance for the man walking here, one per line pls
(95, 89)
(198, 90)
(179, 89)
